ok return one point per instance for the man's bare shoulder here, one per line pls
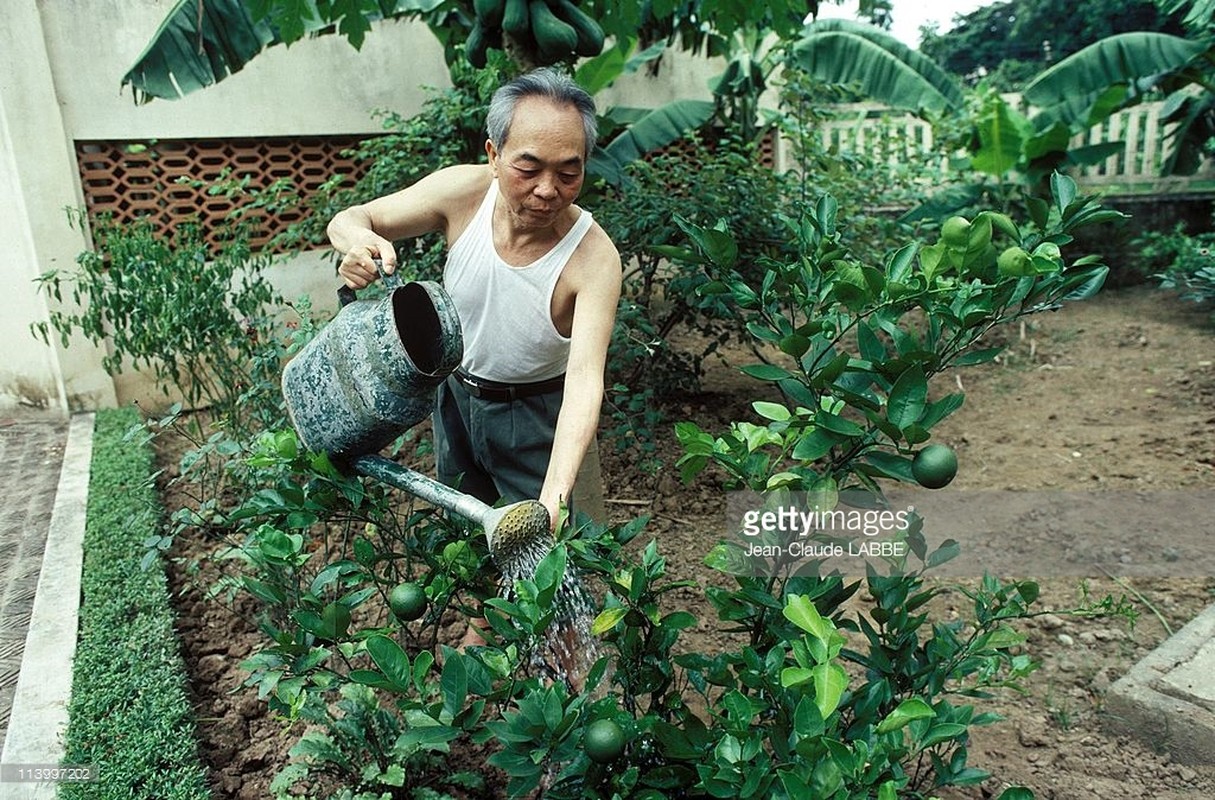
(598, 260)
(601, 248)
(457, 183)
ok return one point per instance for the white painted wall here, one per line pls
(37, 180)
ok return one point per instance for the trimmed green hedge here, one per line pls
(129, 712)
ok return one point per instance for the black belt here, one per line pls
(498, 392)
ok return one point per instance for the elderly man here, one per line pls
(535, 282)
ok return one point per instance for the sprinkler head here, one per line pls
(516, 528)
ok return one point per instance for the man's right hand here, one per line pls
(358, 267)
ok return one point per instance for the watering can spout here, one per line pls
(509, 530)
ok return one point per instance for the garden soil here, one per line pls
(1114, 393)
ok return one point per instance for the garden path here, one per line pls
(31, 454)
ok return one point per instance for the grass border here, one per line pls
(129, 714)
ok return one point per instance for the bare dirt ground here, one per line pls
(1114, 393)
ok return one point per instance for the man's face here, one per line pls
(541, 168)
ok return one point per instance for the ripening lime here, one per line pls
(1015, 261)
(955, 232)
(604, 741)
(935, 466)
(407, 601)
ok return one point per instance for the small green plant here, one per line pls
(192, 315)
(1182, 263)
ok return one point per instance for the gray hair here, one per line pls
(544, 82)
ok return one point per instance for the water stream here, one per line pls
(568, 650)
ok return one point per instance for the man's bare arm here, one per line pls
(366, 232)
(594, 318)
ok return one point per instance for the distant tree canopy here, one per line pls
(1007, 42)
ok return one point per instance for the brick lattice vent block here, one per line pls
(169, 180)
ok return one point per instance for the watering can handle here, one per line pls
(346, 295)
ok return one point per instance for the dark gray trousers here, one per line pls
(493, 449)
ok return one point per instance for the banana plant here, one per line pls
(1079, 92)
(877, 64)
(199, 43)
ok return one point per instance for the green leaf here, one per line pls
(889, 465)
(795, 676)
(1069, 89)
(975, 357)
(659, 128)
(1063, 190)
(942, 732)
(870, 346)
(264, 591)
(454, 683)
(948, 550)
(607, 620)
(932, 259)
(883, 68)
(830, 681)
(773, 411)
(1016, 793)
(912, 708)
(801, 611)
(898, 268)
(766, 372)
(1002, 136)
(940, 409)
(795, 345)
(1085, 284)
(908, 398)
(816, 444)
(391, 660)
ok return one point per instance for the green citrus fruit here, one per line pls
(955, 232)
(1015, 261)
(407, 601)
(935, 466)
(604, 741)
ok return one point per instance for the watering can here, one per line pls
(370, 375)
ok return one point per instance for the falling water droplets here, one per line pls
(568, 649)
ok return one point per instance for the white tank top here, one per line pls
(505, 312)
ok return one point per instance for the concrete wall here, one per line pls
(61, 66)
(315, 86)
(37, 179)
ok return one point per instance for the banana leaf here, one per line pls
(1070, 90)
(885, 69)
(647, 133)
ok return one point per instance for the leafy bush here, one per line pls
(1182, 263)
(129, 713)
(193, 315)
(700, 180)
